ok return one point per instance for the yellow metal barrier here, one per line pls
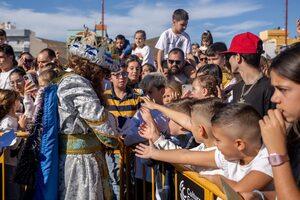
(190, 184)
(2, 175)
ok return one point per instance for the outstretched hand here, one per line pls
(144, 151)
(148, 103)
(273, 131)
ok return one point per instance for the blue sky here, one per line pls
(225, 18)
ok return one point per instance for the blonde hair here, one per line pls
(47, 76)
(7, 101)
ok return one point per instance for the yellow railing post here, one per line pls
(153, 183)
(3, 174)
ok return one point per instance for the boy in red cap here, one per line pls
(244, 57)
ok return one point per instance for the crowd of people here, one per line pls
(227, 113)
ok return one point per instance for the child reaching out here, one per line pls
(240, 154)
(201, 112)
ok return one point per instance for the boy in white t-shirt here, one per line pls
(174, 37)
(240, 154)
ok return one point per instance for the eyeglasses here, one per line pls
(203, 59)
(119, 74)
(177, 62)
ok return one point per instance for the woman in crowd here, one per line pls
(280, 128)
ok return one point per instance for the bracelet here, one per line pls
(260, 194)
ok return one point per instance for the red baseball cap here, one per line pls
(245, 43)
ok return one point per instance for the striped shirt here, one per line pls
(122, 108)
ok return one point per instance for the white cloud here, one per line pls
(152, 18)
(227, 30)
(221, 10)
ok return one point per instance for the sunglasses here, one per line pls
(177, 62)
(123, 74)
(203, 59)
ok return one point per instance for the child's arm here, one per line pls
(179, 156)
(247, 184)
(180, 118)
(160, 55)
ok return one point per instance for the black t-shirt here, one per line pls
(293, 144)
(259, 96)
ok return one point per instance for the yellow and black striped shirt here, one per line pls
(122, 108)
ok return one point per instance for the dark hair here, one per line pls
(196, 44)
(252, 59)
(18, 70)
(206, 35)
(287, 63)
(2, 33)
(25, 53)
(142, 32)
(132, 58)
(212, 69)
(120, 37)
(216, 48)
(153, 79)
(176, 51)
(50, 52)
(241, 115)
(180, 14)
(9, 51)
(150, 66)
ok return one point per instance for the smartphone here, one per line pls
(29, 77)
(186, 87)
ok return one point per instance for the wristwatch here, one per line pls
(260, 195)
(277, 159)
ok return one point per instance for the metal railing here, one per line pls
(188, 184)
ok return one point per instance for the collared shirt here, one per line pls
(122, 108)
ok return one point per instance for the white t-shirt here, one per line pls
(6, 124)
(145, 54)
(234, 171)
(168, 40)
(4, 80)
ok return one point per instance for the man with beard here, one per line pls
(176, 64)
